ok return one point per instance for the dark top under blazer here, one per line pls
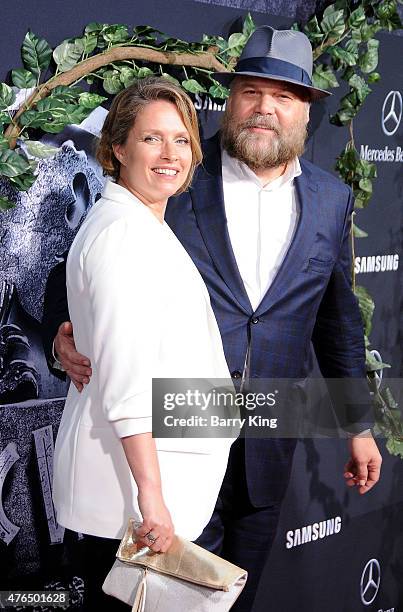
(310, 301)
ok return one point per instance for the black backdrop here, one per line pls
(302, 573)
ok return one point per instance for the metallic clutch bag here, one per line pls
(187, 577)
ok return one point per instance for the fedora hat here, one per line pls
(282, 55)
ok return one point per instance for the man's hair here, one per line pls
(124, 111)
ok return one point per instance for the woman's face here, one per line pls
(156, 157)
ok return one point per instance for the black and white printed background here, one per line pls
(326, 565)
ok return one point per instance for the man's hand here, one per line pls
(363, 469)
(77, 366)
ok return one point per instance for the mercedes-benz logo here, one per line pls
(370, 581)
(392, 112)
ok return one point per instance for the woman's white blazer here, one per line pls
(139, 309)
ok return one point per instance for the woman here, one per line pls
(140, 310)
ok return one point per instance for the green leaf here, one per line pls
(39, 150)
(342, 57)
(313, 31)
(236, 43)
(7, 96)
(23, 182)
(366, 185)
(395, 447)
(222, 44)
(361, 199)
(6, 204)
(324, 77)
(348, 73)
(372, 364)
(366, 169)
(369, 60)
(90, 42)
(342, 117)
(68, 54)
(374, 77)
(23, 79)
(36, 53)
(368, 31)
(50, 104)
(94, 27)
(360, 86)
(209, 41)
(12, 164)
(219, 91)
(386, 9)
(5, 119)
(333, 22)
(4, 144)
(342, 4)
(359, 233)
(170, 78)
(248, 26)
(112, 83)
(193, 86)
(128, 75)
(349, 102)
(387, 396)
(64, 93)
(52, 115)
(352, 46)
(115, 34)
(73, 117)
(90, 100)
(144, 72)
(357, 17)
(146, 33)
(367, 307)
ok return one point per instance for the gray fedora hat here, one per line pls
(282, 55)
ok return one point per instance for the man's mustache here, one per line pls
(260, 122)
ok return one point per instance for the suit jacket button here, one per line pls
(236, 374)
(255, 320)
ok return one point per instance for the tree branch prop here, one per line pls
(205, 60)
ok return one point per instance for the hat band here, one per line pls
(273, 66)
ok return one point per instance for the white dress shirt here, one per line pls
(261, 222)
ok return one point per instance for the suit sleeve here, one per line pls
(338, 340)
(125, 289)
(55, 311)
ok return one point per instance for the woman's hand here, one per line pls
(157, 522)
(141, 455)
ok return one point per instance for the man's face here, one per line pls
(265, 122)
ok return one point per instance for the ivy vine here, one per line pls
(64, 85)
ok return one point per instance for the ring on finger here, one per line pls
(150, 537)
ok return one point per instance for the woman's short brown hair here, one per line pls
(122, 116)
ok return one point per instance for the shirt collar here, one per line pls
(234, 170)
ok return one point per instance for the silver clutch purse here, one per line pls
(187, 577)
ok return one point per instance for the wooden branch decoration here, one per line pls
(205, 60)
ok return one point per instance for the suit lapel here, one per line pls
(304, 236)
(208, 203)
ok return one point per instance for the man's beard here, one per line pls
(259, 150)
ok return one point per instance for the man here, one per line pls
(270, 235)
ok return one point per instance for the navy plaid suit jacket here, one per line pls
(309, 302)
